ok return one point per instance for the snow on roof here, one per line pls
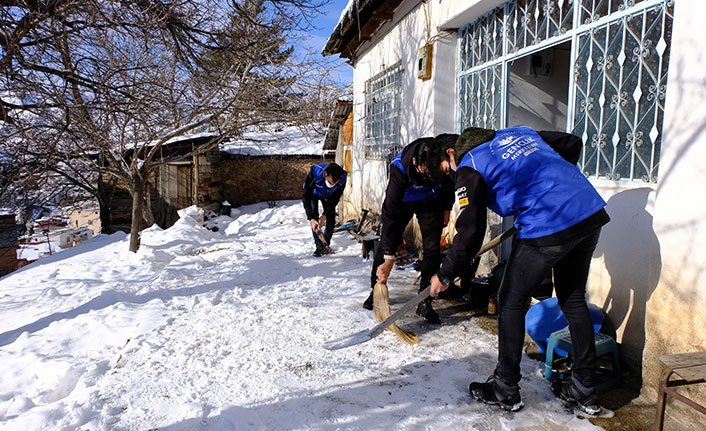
(190, 137)
(273, 140)
(346, 12)
(33, 252)
(7, 211)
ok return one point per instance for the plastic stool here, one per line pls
(604, 345)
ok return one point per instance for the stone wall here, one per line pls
(248, 180)
(8, 260)
(9, 231)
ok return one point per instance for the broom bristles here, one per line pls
(381, 306)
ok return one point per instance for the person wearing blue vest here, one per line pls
(532, 176)
(417, 186)
(324, 183)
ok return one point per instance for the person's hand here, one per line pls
(447, 216)
(437, 286)
(322, 220)
(383, 271)
(314, 224)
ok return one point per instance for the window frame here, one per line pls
(381, 139)
(488, 45)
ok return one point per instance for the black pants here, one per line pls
(527, 266)
(330, 213)
(431, 223)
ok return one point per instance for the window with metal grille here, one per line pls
(620, 57)
(382, 114)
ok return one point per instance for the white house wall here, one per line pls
(456, 13)
(427, 107)
(649, 269)
(676, 309)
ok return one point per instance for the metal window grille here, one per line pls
(620, 77)
(382, 114)
(620, 57)
(530, 22)
(481, 98)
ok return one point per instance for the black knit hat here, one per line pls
(469, 139)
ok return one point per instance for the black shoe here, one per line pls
(318, 253)
(574, 394)
(425, 311)
(491, 393)
(368, 304)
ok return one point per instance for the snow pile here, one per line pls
(204, 330)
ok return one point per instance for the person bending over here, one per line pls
(533, 177)
(419, 185)
(325, 182)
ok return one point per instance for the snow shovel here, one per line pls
(321, 236)
(368, 334)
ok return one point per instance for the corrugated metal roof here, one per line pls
(338, 117)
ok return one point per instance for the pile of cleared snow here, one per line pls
(204, 330)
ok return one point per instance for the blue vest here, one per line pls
(321, 189)
(414, 192)
(527, 179)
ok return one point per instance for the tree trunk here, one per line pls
(147, 214)
(138, 203)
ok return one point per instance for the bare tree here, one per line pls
(92, 86)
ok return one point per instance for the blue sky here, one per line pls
(325, 24)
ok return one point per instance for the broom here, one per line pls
(381, 296)
(381, 307)
(322, 238)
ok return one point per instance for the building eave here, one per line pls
(359, 26)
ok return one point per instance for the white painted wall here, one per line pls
(457, 13)
(427, 106)
(676, 310)
(649, 270)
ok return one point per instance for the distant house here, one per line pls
(84, 216)
(264, 164)
(625, 76)
(9, 232)
(184, 181)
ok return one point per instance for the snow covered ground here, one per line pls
(223, 331)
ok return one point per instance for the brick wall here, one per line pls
(260, 179)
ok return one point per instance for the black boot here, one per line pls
(493, 394)
(425, 311)
(575, 394)
(368, 304)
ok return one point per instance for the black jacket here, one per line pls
(471, 222)
(395, 213)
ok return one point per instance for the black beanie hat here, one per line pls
(469, 139)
